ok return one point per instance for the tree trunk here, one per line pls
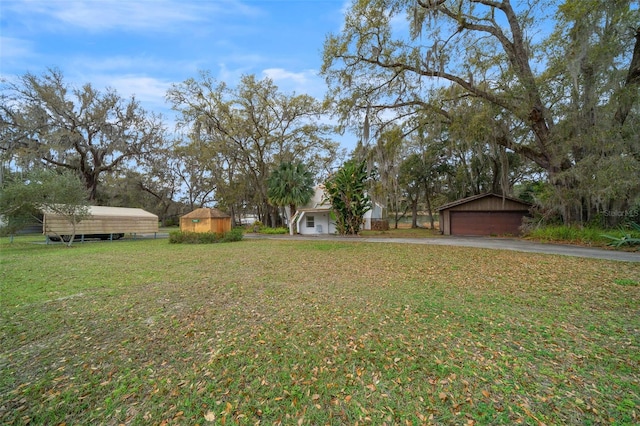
(428, 199)
(632, 81)
(414, 213)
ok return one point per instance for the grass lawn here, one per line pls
(314, 333)
(404, 232)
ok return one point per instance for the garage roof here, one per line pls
(478, 197)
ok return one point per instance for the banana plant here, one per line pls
(346, 190)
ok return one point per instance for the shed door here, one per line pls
(485, 223)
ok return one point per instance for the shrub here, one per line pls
(274, 231)
(379, 225)
(179, 237)
(627, 238)
(582, 235)
(256, 226)
(235, 234)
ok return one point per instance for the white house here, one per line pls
(315, 217)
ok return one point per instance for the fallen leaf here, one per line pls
(210, 416)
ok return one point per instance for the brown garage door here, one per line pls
(486, 223)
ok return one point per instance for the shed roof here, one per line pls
(479, 197)
(205, 213)
(105, 211)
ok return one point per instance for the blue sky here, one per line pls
(141, 47)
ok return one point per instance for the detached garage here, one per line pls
(206, 220)
(484, 214)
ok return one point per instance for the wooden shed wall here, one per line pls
(444, 218)
(101, 225)
(218, 225)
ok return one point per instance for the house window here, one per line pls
(311, 222)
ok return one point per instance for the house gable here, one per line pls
(318, 207)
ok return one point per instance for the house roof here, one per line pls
(204, 213)
(478, 197)
(318, 209)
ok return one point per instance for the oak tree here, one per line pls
(254, 127)
(45, 191)
(45, 121)
(573, 89)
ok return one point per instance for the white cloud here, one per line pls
(228, 75)
(118, 63)
(15, 48)
(307, 81)
(103, 15)
(150, 91)
(279, 74)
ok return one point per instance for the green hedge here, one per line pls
(273, 231)
(179, 237)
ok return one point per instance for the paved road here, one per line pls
(480, 242)
(477, 242)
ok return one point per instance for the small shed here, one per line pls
(206, 220)
(484, 214)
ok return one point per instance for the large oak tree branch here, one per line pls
(631, 85)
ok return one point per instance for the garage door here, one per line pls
(486, 223)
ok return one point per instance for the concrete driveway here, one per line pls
(478, 242)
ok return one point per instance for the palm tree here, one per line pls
(290, 185)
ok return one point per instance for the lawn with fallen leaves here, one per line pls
(314, 333)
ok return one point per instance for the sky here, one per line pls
(142, 47)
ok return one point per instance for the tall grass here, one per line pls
(593, 236)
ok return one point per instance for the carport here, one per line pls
(484, 214)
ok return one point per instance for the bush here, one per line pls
(274, 231)
(171, 221)
(256, 226)
(628, 238)
(379, 225)
(179, 237)
(235, 234)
